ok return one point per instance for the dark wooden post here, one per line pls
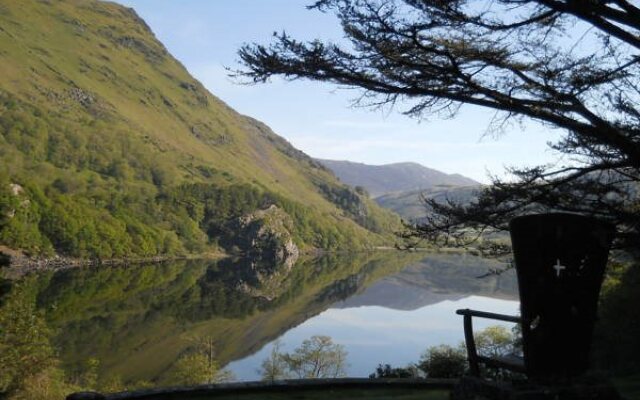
(560, 261)
(86, 396)
(470, 341)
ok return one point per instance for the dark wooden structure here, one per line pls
(360, 388)
(560, 260)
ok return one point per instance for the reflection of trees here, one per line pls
(218, 293)
(136, 319)
(198, 365)
(25, 351)
(317, 357)
(341, 289)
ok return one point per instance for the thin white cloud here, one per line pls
(348, 145)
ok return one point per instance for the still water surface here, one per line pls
(384, 308)
(375, 335)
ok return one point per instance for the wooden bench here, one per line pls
(510, 362)
(560, 260)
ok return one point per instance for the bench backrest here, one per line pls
(560, 261)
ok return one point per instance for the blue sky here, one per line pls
(318, 118)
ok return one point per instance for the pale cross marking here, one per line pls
(558, 267)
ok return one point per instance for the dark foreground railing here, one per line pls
(207, 391)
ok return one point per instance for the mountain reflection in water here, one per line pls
(384, 307)
(434, 279)
(398, 317)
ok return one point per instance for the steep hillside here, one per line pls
(400, 177)
(109, 148)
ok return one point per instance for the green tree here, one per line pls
(193, 369)
(317, 357)
(28, 367)
(199, 365)
(274, 367)
(570, 65)
(387, 371)
(25, 350)
(443, 361)
(495, 341)
(616, 344)
(48, 384)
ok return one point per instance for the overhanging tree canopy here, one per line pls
(570, 64)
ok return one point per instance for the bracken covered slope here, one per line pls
(109, 148)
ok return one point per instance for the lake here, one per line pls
(385, 307)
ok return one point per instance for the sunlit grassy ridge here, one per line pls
(118, 151)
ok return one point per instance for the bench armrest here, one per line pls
(483, 314)
(470, 342)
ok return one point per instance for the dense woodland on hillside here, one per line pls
(117, 152)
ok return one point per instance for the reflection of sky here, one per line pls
(373, 335)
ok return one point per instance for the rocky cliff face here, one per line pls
(266, 235)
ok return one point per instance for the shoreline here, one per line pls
(18, 265)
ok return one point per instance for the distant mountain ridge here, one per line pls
(410, 206)
(379, 180)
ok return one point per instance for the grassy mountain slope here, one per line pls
(109, 148)
(399, 177)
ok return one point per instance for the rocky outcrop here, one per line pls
(267, 279)
(266, 235)
(19, 200)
